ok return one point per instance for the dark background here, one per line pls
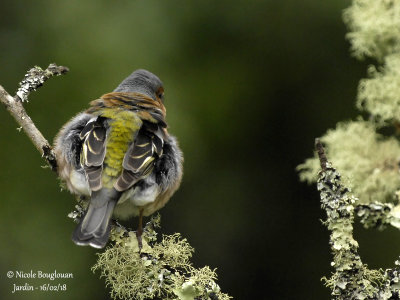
(249, 85)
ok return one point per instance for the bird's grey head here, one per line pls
(142, 81)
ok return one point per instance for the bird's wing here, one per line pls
(94, 136)
(139, 159)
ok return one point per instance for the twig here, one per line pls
(34, 78)
(321, 154)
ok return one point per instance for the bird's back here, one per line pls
(123, 128)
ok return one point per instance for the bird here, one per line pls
(119, 155)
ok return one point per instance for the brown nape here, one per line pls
(127, 101)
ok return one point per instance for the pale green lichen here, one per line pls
(174, 250)
(346, 287)
(368, 161)
(374, 27)
(127, 274)
(200, 285)
(162, 269)
(380, 94)
(375, 32)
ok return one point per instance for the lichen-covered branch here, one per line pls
(161, 269)
(367, 152)
(34, 78)
(352, 279)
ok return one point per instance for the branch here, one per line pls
(352, 279)
(34, 79)
(379, 215)
(321, 154)
(161, 269)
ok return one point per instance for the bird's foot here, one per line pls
(139, 239)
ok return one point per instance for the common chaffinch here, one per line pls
(120, 155)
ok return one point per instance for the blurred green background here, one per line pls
(249, 85)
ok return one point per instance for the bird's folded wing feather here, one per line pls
(93, 152)
(139, 158)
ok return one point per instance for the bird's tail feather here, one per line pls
(94, 227)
